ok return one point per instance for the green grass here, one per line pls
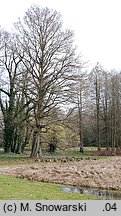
(12, 156)
(14, 159)
(74, 152)
(21, 189)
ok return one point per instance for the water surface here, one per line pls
(104, 194)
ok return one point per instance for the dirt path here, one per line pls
(104, 174)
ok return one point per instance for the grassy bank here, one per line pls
(21, 189)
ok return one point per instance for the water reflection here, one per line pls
(102, 193)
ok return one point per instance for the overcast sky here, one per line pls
(96, 23)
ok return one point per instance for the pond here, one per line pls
(104, 194)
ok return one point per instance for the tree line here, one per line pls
(47, 96)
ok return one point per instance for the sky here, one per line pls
(96, 24)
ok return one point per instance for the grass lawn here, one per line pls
(21, 189)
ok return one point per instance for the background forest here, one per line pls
(49, 98)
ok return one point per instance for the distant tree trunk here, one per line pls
(52, 147)
(8, 136)
(97, 83)
(9, 124)
(80, 120)
(105, 108)
(80, 126)
(114, 112)
(53, 142)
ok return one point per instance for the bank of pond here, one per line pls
(103, 194)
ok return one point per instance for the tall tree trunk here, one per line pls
(80, 121)
(98, 111)
(106, 113)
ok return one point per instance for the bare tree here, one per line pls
(49, 60)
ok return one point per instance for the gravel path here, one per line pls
(105, 174)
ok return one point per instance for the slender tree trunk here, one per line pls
(98, 111)
(80, 121)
